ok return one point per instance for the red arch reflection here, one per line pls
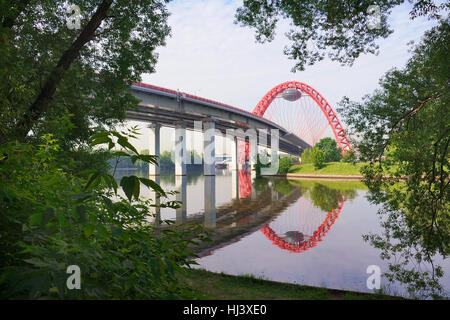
(245, 183)
(317, 235)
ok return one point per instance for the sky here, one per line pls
(209, 56)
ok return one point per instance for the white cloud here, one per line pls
(211, 56)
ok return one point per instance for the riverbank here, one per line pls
(331, 169)
(219, 286)
(330, 177)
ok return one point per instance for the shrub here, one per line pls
(318, 158)
(306, 156)
(259, 164)
(284, 165)
(349, 157)
(329, 147)
(52, 218)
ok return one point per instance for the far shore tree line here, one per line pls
(325, 151)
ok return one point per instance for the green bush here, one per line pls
(306, 156)
(349, 157)
(284, 165)
(318, 158)
(52, 219)
(329, 147)
(258, 165)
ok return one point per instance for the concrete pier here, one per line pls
(234, 165)
(154, 148)
(209, 148)
(155, 211)
(210, 202)
(181, 186)
(180, 149)
(234, 184)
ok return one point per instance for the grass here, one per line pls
(338, 185)
(342, 168)
(219, 286)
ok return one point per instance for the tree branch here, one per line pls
(9, 21)
(39, 106)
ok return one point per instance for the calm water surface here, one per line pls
(305, 232)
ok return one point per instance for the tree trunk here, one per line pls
(40, 105)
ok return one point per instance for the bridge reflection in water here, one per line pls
(301, 227)
(279, 209)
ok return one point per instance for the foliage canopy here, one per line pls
(59, 80)
(330, 149)
(403, 128)
(52, 219)
(318, 157)
(341, 29)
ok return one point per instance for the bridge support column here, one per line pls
(253, 156)
(254, 195)
(235, 184)
(209, 148)
(155, 211)
(153, 170)
(210, 201)
(181, 212)
(180, 149)
(273, 194)
(234, 153)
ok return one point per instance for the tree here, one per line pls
(317, 158)
(68, 81)
(349, 157)
(330, 149)
(165, 159)
(403, 129)
(327, 199)
(343, 30)
(306, 156)
(284, 165)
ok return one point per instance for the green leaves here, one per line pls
(131, 186)
(340, 30)
(97, 178)
(53, 218)
(329, 147)
(153, 185)
(52, 214)
(101, 138)
(318, 157)
(403, 129)
(337, 29)
(106, 137)
(92, 90)
(144, 157)
(284, 165)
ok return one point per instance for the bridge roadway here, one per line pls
(171, 108)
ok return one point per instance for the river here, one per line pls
(297, 231)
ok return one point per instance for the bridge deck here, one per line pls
(167, 107)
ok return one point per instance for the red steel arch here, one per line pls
(317, 236)
(333, 120)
